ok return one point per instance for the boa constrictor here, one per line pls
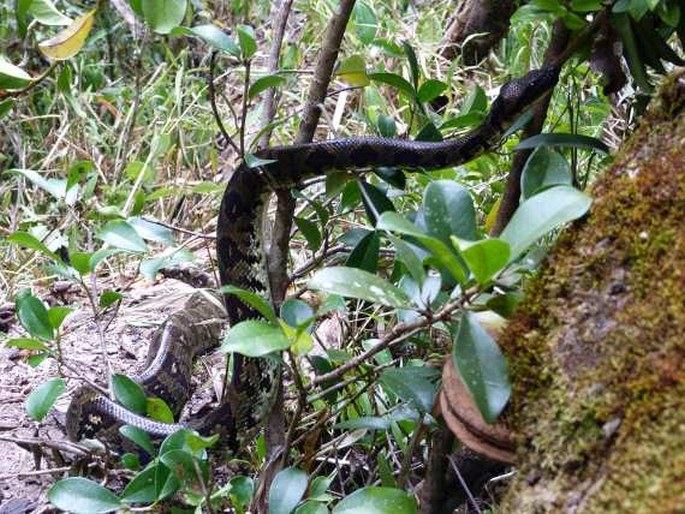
(242, 263)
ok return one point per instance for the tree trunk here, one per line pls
(597, 349)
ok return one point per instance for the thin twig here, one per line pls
(212, 102)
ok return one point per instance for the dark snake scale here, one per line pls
(242, 263)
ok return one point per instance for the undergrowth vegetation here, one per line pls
(113, 165)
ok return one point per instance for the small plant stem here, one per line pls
(212, 102)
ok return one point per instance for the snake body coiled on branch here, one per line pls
(242, 263)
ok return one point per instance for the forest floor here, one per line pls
(23, 478)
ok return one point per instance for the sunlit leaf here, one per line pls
(377, 500)
(82, 496)
(255, 338)
(69, 41)
(163, 15)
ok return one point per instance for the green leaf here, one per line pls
(312, 507)
(368, 422)
(109, 297)
(287, 490)
(563, 140)
(151, 231)
(392, 79)
(475, 102)
(264, 83)
(26, 343)
(156, 408)
(386, 128)
(43, 397)
(12, 77)
(430, 90)
(180, 462)
(365, 22)
(163, 15)
(365, 253)
(586, 5)
(375, 200)
(138, 436)
(5, 105)
(27, 240)
(253, 300)
(310, 231)
(482, 367)
(538, 215)
(82, 496)
(212, 35)
(544, 168)
(170, 257)
(353, 71)
(255, 338)
(504, 304)
(33, 315)
(296, 313)
(377, 500)
(246, 40)
(129, 393)
(56, 315)
(122, 235)
(407, 256)
(147, 485)
(56, 187)
(446, 257)
(448, 210)
(130, 461)
(413, 62)
(46, 13)
(242, 490)
(415, 385)
(484, 258)
(356, 283)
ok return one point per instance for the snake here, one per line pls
(241, 260)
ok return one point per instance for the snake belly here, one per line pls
(242, 260)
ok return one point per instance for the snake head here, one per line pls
(518, 94)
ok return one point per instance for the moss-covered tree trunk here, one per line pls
(597, 349)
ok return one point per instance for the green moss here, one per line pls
(597, 351)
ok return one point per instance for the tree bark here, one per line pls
(596, 350)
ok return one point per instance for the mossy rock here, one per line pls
(597, 349)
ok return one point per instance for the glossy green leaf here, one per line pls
(12, 77)
(27, 240)
(148, 229)
(386, 126)
(56, 187)
(253, 300)
(376, 202)
(212, 35)
(407, 256)
(5, 105)
(310, 231)
(312, 507)
(368, 422)
(157, 409)
(129, 393)
(448, 210)
(430, 90)
(264, 83)
(121, 235)
(356, 283)
(475, 101)
(180, 463)
(57, 315)
(377, 500)
(446, 257)
(394, 80)
(26, 343)
(296, 312)
(247, 41)
(255, 338)
(130, 461)
(33, 315)
(287, 490)
(482, 367)
(365, 22)
(365, 254)
(138, 436)
(242, 491)
(540, 214)
(109, 297)
(413, 384)
(82, 496)
(544, 168)
(413, 62)
(562, 141)
(147, 485)
(163, 15)
(45, 12)
(43, 397)
(485, 258)
(352, 70)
